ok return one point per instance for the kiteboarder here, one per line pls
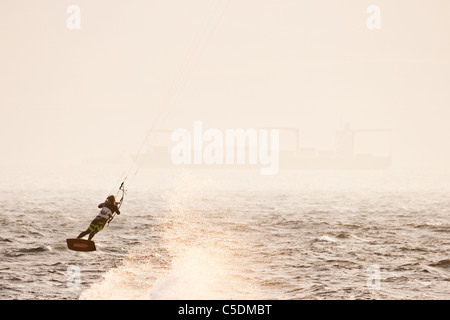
(109, 207)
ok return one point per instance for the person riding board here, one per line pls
(109, 207)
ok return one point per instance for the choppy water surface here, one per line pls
(229, 235)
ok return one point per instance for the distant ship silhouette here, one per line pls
(343, 158)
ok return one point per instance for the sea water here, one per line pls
(227, 234)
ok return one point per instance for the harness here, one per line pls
(121, 188)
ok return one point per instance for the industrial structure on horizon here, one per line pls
(344, 157)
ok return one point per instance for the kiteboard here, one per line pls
(80, 245)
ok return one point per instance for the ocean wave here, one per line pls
(403, 279)
(445, 264)
(43, 248)
(23, 251)
(326, 239)
(360, 239)
(13, 254)
(343, 235)
(342, 263)
(414, 249)
(408, 266)
(434, 226)
(349, 225)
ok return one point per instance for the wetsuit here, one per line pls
(108, 209)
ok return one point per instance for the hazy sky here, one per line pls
(67, 95)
